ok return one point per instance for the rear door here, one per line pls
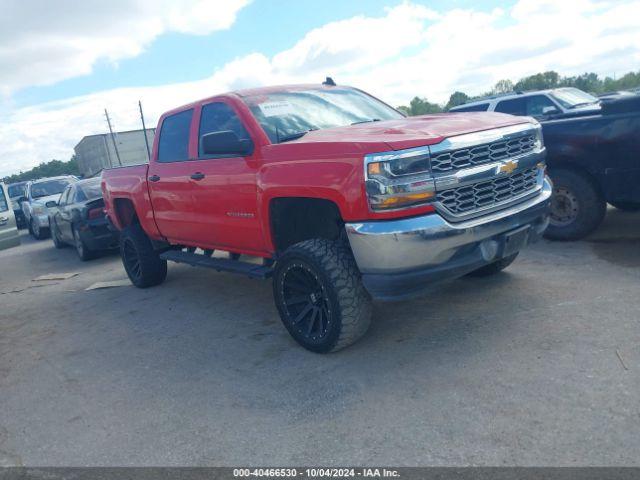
(168, 178)
(8, 231)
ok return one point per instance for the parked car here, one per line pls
(350, 199)
(17, 193)
(78, 219)
(9, 236)
(38, 194)
(593, 152)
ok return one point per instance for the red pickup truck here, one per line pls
(334, 194)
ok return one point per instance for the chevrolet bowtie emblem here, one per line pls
(507, 167)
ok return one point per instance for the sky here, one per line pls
(62, 63)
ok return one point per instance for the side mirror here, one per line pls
(51, 204)
(225, 142)
(549, 110)
(22, 199)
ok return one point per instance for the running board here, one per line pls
(220, 264)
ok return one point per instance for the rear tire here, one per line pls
(142, 263)
(495, 267)
(84, 253)
(577, 206)
(626, 206)
(318, 290)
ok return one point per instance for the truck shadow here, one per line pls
(617, 240)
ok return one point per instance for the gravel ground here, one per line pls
(537, 366)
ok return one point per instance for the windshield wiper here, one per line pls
(366, 121)
(293, 136)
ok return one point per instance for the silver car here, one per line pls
(8, 231)
(40, 194)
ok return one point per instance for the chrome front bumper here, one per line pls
(399, 258)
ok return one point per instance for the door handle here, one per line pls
(197, 176)
(154, 178)
(3, 220)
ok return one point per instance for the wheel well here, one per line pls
(297, 219)
(561, 164)
(125, 212)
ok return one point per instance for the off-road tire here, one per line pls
(56, 239)
(626, 206)
(589, 211)
(151, 270)
(332, 265)
(495, 267)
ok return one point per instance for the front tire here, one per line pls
(142, 263)
(84, 253)
(577, 206)
(495, 267)
(626, 206)
(319, 294)
(55, 236)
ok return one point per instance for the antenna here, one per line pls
(144, 131)
(113, 138)
(329, 82)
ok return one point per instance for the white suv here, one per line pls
(540, 104)
(41, 195)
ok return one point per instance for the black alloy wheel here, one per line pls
(306, 304)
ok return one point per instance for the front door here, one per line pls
(8, 231)
(224, 212)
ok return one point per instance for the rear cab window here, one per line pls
(481, 107)
(173, 145)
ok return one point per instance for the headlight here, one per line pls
(399, 179)
(39, 210)
(539, 141)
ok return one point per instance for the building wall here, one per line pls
(96, 152)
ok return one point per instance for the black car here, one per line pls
(78, 219)
(593, 152)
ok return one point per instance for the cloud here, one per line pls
(410, 50)
(39, 46)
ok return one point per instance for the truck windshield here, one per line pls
(287, 115)
(573, 97)
(45, 189)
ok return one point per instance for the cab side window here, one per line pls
(173, 145)
(516, 106)
(537, 103)
(218, 117)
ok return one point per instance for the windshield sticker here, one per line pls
(274, 109)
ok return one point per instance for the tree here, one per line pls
(420, 106)
(539, 81)
(456, 98)
(503, 86)
(48, 169)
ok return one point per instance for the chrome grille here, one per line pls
(479, 154)
(462, 200)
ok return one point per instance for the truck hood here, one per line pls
(412, 131)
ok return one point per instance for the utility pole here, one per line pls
(113, 138)
(144, 131)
